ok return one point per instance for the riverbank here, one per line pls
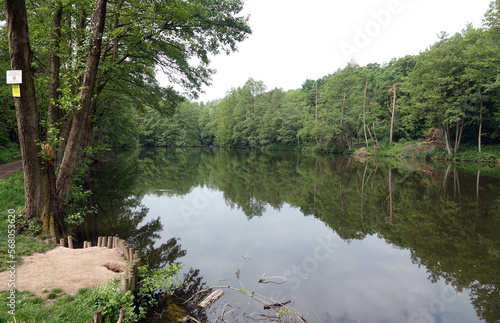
(45, 283)
(432, 151)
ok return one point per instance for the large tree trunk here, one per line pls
(26, 112)
(76, 135)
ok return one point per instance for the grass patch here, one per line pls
(12, 198)
(30, 308)
(9, 153)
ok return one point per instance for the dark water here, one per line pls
(374, 241)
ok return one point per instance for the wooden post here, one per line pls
(110, 243)
(131, 254)
(70, 242)
(132, 277)
(125, 283)
(61, 242)
(89, 244)
(125, 251)
(98, 316)
(99, 241)
(137, 258)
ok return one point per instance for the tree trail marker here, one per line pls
(15, 78)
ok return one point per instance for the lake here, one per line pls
(385, 240)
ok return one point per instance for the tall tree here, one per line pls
(26, 111)
(438, 90)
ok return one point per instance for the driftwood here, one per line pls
(268, 307)
(207, 301)
(189, 319)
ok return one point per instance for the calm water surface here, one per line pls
(346, 241)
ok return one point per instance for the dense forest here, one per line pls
(449, 93)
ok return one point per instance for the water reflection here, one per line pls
(380, 241)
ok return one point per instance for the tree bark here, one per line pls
(364, 113)
(393, 113)
(316, 109)
(74, 142)
(55, 67)
(480, 121)
(446, 133)
(26, 112)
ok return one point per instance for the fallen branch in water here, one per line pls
(275, 305)
(269, 304)
(207, 301)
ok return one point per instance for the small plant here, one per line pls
(31, 227)
(283, 312)
(152, 281)
(78, 206)
(52, 295)
(74, 220)
(110, 299)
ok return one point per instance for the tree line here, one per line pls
(89, 80)
(448, 93)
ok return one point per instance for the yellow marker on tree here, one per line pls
(16, 90)
(15, 78)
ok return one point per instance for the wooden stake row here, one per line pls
(132, 256)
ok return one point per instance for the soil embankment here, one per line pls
(64, 268)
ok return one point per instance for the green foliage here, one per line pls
(153, 281)
(12, 197)
(78, 206)
(31, 227)
(179, 130)
(79, 203)
(111, 299)
(9, 153)
(64, 308)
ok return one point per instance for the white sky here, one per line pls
(296, 40)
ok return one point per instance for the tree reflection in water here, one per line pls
(446, 216)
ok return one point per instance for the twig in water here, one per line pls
(268, 307)
(263, 280)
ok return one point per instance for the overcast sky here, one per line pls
(296, 40)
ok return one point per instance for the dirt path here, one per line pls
(10, 168)
(68, 269)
